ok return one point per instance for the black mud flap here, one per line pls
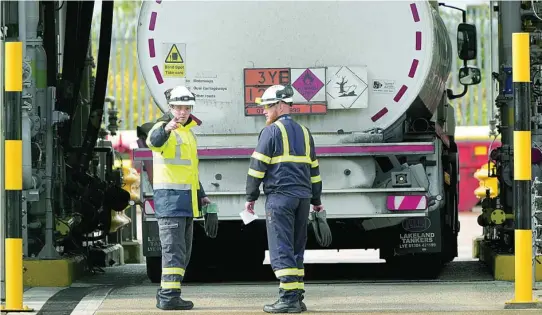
(420, 235)
(151, 239)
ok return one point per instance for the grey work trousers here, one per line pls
(176, 239)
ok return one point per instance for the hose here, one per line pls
(98, 95)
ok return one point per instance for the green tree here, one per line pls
(125, 81)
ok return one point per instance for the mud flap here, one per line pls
(151, 239)
(420, 235)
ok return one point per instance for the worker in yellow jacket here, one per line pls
(178, 193)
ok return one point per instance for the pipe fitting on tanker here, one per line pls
(420, 125)
(433, 200)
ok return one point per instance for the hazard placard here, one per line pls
(174, 60)
(309, 94)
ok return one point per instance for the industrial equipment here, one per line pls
(499, 210)
(372, 93)
(72, 198)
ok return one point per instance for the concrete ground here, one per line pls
(331, 298)
(463, 287)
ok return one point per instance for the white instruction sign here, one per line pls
(383, 86)
(210, 89)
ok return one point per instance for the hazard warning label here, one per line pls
(174, 61)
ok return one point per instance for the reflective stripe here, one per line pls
(290, 272)
(172, 186)
(260, 157)
(315, 164)
(176, 161)
(255, 173)
(194, 192)
(292, 286)
(286, 157)
(307, 141)
(170, 285)
(290, 158)
(158, 159)
(173, 271)
(285, 141)
(316, 179)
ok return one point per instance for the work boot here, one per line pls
(303, 306)
(283, 306)
(176, 303)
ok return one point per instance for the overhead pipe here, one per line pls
(50, 41)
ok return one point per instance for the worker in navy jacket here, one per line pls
(285, 161)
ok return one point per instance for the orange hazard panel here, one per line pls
(257, 80)
(266, 77)
(251, 93)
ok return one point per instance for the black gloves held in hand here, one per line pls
(211, 224)
(321, 228)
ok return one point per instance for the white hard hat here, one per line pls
(180, 95)
(275, 94)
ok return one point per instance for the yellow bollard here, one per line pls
(13, 67)
(522, 174)
(14, 273)
(14, 182)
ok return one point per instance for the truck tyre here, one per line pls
(154, 269)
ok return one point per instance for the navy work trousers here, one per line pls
(286, 221)
(176, 240)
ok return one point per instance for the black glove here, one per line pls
(211, 224)
(321, 228)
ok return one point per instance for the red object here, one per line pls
(473, 145)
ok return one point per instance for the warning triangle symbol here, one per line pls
(174, 56)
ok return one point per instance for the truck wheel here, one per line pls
(154, 269)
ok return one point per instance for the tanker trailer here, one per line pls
(370, 83)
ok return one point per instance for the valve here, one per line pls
(112, 113)
(486, 182)
(131, 182)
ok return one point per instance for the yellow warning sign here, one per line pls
(174, 64)
(174, 56)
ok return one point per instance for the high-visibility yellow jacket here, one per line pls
(177, 190)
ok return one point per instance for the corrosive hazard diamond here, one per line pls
(308, 84)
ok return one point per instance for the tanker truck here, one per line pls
(370, 83)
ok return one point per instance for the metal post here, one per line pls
(13, 174)
(537, 224)
(522, 173)
(2, 194)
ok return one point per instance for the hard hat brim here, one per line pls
(178, 103)
(260, 102)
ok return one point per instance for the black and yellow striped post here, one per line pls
(521, 74)
(13, 65)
